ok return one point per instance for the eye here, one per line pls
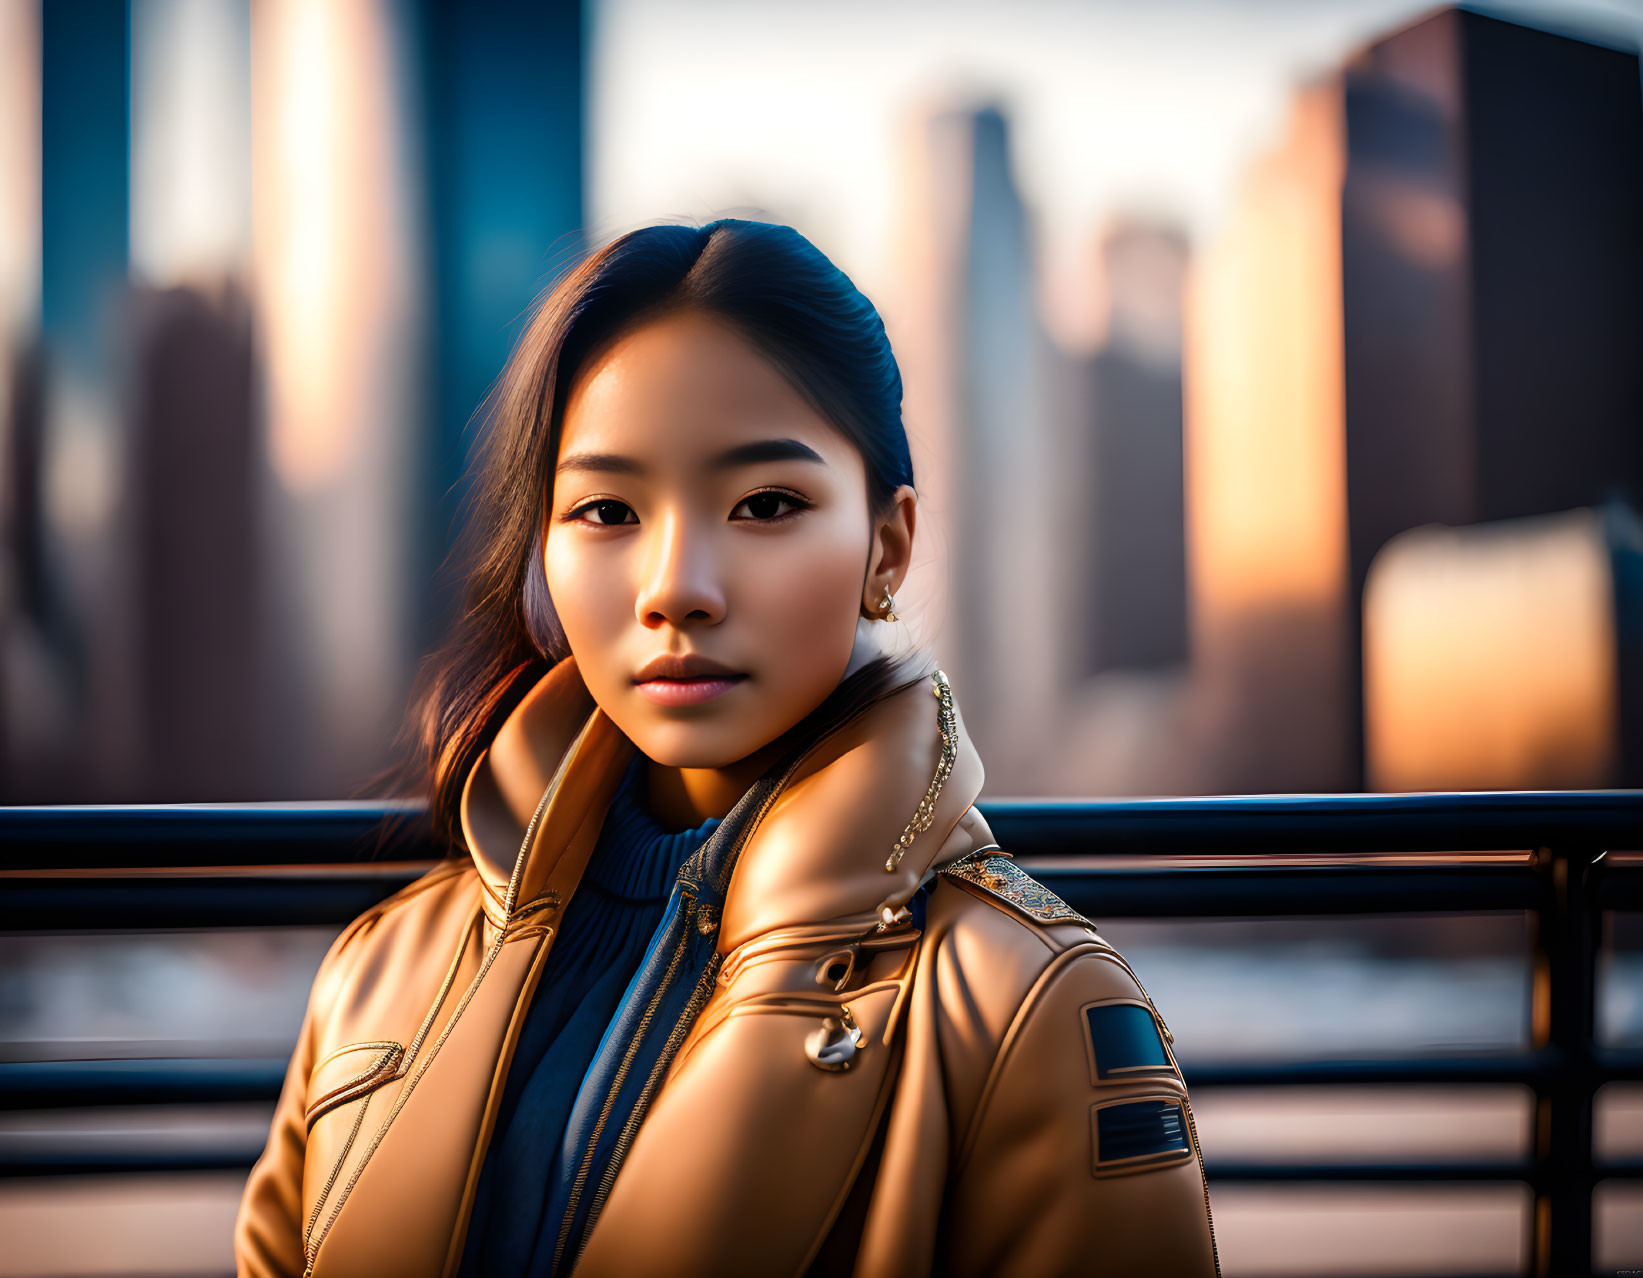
(763, 506)
(610, 512)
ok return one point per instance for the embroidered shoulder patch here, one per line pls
(996, 874)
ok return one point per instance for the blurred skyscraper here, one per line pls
(1133, 502)
(194, 557)
(1266, 501)
(1122, 722)
(1493, 271)
(1425, 312)
(232, 464)
(977, 391)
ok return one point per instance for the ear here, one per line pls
(892, 549)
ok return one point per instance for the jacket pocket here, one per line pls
(349, 1073)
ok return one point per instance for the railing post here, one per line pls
(1563, 1017)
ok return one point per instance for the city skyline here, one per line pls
(1167, 605)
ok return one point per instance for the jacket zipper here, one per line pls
(309, 1246)
(1204, 1177)
(698, 997)
(610, 1099)
(621, 1077)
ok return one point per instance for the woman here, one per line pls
(813, 1019)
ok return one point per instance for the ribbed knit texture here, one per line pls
(606, 928)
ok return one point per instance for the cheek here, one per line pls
(589, 601)
(802, 596)
(799, 602)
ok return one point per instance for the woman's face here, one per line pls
(701, 508)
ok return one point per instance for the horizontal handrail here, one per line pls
(139, 836)
(148, 1081)
(272, 864)
(179, 1080)
(246, 897)
(1560, 857)
(238, 1156)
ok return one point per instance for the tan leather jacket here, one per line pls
(990, 1121)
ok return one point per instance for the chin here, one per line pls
(697, 745)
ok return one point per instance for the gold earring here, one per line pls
(887, 606)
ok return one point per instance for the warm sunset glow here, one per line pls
(1489, 657)
(190, 178)
(326, 193)
(1265, 448)
(339, 250)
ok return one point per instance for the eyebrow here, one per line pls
(760, 450)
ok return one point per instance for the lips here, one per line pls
(685, 680)
(685, 667)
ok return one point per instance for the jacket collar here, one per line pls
(817, 855)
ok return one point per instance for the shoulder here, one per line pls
(989, 902)
(1082, 1033)
(1072, 1130)
(1006, 919)
(1010, 958)
(994, 872)
(1041, 918)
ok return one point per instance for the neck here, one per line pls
(684, 797)
(681, 798)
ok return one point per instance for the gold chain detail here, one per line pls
(947, 722)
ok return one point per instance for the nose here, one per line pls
(680, 581)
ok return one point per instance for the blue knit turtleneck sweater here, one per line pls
(607, 926)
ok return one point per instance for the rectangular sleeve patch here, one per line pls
(1135, 1134)
(1124, 1041)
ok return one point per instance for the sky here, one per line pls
(721, 106)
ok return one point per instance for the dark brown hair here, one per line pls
(786, 298)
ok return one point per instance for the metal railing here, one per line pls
(1563, 858)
